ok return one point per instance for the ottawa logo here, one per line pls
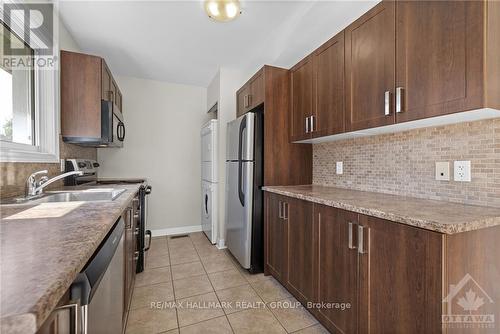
(467, 306)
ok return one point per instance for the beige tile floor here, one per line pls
(190, 286)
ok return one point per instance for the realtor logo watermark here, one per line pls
(29, 32)
(467, 306)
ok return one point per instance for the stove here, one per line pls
(89, 177)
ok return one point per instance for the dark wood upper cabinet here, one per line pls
(85, 81)
(301, 83)
(400, 278)
(257, 90)
(268, 92)
(106, 81)
(370, 44)
(301, 253)
(275, 252)
(242, 98)
(328, 88)
(81, 108)
(439, 57)
(251, 94)
(119, 99)
(337, 272)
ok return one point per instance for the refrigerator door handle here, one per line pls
(241, 194)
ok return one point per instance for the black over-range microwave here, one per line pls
(112, 129)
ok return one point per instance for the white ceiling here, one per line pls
(174, 41)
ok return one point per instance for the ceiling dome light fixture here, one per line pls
(222, 10)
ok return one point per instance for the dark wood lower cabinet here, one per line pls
(399, 278)
(275, 237)
(361, 274)
(298, 216)
(131, 225)
(337, 271)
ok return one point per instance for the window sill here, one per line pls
(28, 154)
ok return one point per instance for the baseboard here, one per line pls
(221, 244)
(176, 230)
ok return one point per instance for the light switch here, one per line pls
(340, 167)
(443, 171)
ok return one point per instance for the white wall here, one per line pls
(222, 89)
(66, 41)
(162, 143)
(213, 91)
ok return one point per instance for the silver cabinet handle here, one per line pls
(387, 103)
(350, 236)
(307, 124)
(399, 99)
(249, 100)
(312, 123)
(280, 203)
(361, 242)
(285, 210)
(246, 100)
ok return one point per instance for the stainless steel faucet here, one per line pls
(34, 187)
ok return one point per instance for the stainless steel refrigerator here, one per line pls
(244, 199)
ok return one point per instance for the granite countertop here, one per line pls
(439, 216)
(43, 248)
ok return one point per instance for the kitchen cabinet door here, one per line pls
(400, 278)
(106, 80)
(337, 274)
(301, 251)
(370, 68)
(439, 57)
(301, 77)
(329, 87)
(275, 237)
(113, 92)
(242, 100)
(119, 100)
(130, 252)
(257, 90)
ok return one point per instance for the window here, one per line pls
(17, 108)
(29, 83)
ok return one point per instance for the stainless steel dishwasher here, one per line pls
(99, 286)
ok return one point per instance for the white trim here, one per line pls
(221, 244)
(462, 117)
(47, 111)
(176, 230)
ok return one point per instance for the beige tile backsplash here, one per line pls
(404, 163)
(14, 174)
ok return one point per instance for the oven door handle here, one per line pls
(148, 233)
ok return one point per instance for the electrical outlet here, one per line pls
(340, 167)
(462, 171)
(443, 171)
(63, 165)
